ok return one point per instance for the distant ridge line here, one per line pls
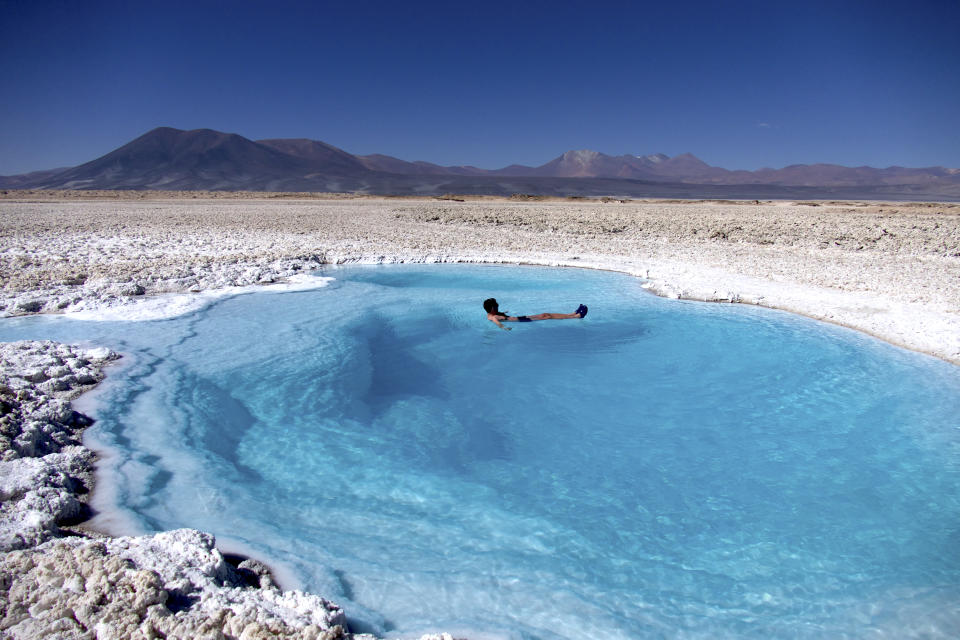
(166, 158)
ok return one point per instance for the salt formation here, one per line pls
(172, 584)
(83, 293)
(43, 468)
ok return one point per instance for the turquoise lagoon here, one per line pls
(661, 469)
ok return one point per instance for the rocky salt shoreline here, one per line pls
(889, 270)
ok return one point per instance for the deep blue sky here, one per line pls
(740, 84)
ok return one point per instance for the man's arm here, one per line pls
(495, 320)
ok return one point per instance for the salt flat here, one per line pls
(892, 270)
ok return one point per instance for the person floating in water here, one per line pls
(497, 317)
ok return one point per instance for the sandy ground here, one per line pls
(891, 270)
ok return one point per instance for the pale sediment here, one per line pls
(890, 270)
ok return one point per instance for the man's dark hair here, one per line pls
(490, 306)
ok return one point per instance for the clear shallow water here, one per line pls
(660, 469)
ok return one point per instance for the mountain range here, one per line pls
(203, 159)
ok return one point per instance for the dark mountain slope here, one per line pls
(168, 158)
(320, 156)
(389, 164)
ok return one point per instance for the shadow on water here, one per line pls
(396, 370)
(407, 400)
(159, 477)
(216, 418)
